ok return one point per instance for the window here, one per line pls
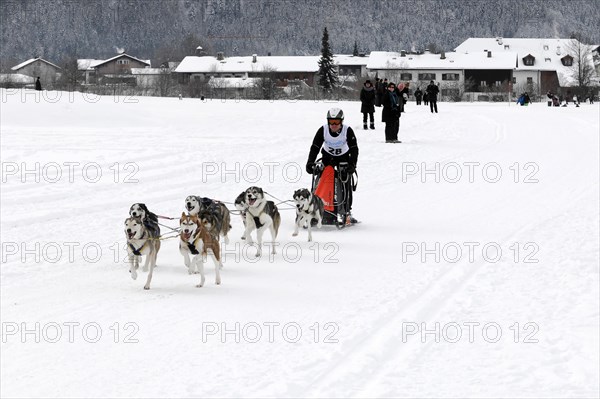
(506, 47)
(427, 76)
(514, 80)
(498, 83)
(451, 92)
(567, 61)
(122, 62)
(406, 76)
(450, 76)
(545, 47)
(529, 81)
(483, 83)
(529, 60)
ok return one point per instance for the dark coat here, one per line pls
(351, 156)
(367, 98)
(38, 84)
(391, 107)
(432, 92)
(418, 94)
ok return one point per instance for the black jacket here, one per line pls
(432, 92)
(391, 111)
(351, 156)
(367, 98)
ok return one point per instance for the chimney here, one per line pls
(254, 58)
(402, 53)
(269, 54)
(220, 56)
(443, 55)
(557, 50)
(489, 54)
(500, 41)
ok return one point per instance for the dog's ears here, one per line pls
(182, 215)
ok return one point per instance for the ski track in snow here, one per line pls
(368, 293)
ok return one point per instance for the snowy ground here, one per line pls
(364, 312)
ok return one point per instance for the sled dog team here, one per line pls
(206, 221)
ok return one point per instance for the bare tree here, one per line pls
(165, 81)
(582, 70)
(70, 76)
(266, 82)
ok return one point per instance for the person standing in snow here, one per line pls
(367, 99)
(38, 84)
(404, 93)
(418, 95)
(392, 107)
(432, 92)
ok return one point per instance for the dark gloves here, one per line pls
(309, 167)
(351, 168)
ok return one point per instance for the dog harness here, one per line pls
(137, 251)
(192, 245)
(336, 146)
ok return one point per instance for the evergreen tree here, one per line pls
(355, 51)
(328, 78)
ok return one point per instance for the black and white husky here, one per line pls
(149, 219)
(140, 243)
(214, 214)
(308, 207)
(261, 215)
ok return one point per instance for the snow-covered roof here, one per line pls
(345, 59)
(207, 64)
(547, 52)
(123, 55)
(31, 60)
(229, 83)
(452, 61)
(16, 78)
(147, 71)
(87, 63)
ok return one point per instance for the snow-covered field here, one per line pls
(474, 272)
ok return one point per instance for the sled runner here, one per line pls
(334, 185)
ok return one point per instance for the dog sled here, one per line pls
(334, 185)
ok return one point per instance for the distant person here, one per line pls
(38, 84)
(367, 98)
(378, 90)
(591, 97)
(432, 92)
(425, 98)
(418, 95)
(404, 92)
(392, 104)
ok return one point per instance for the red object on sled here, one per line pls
(325, 189)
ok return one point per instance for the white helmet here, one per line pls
(335, 113)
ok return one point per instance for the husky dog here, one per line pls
(140, 242)
(260, 215)
(149, 219)
(214, 214)
(308, 207)
(242, 207)
(196, 240)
